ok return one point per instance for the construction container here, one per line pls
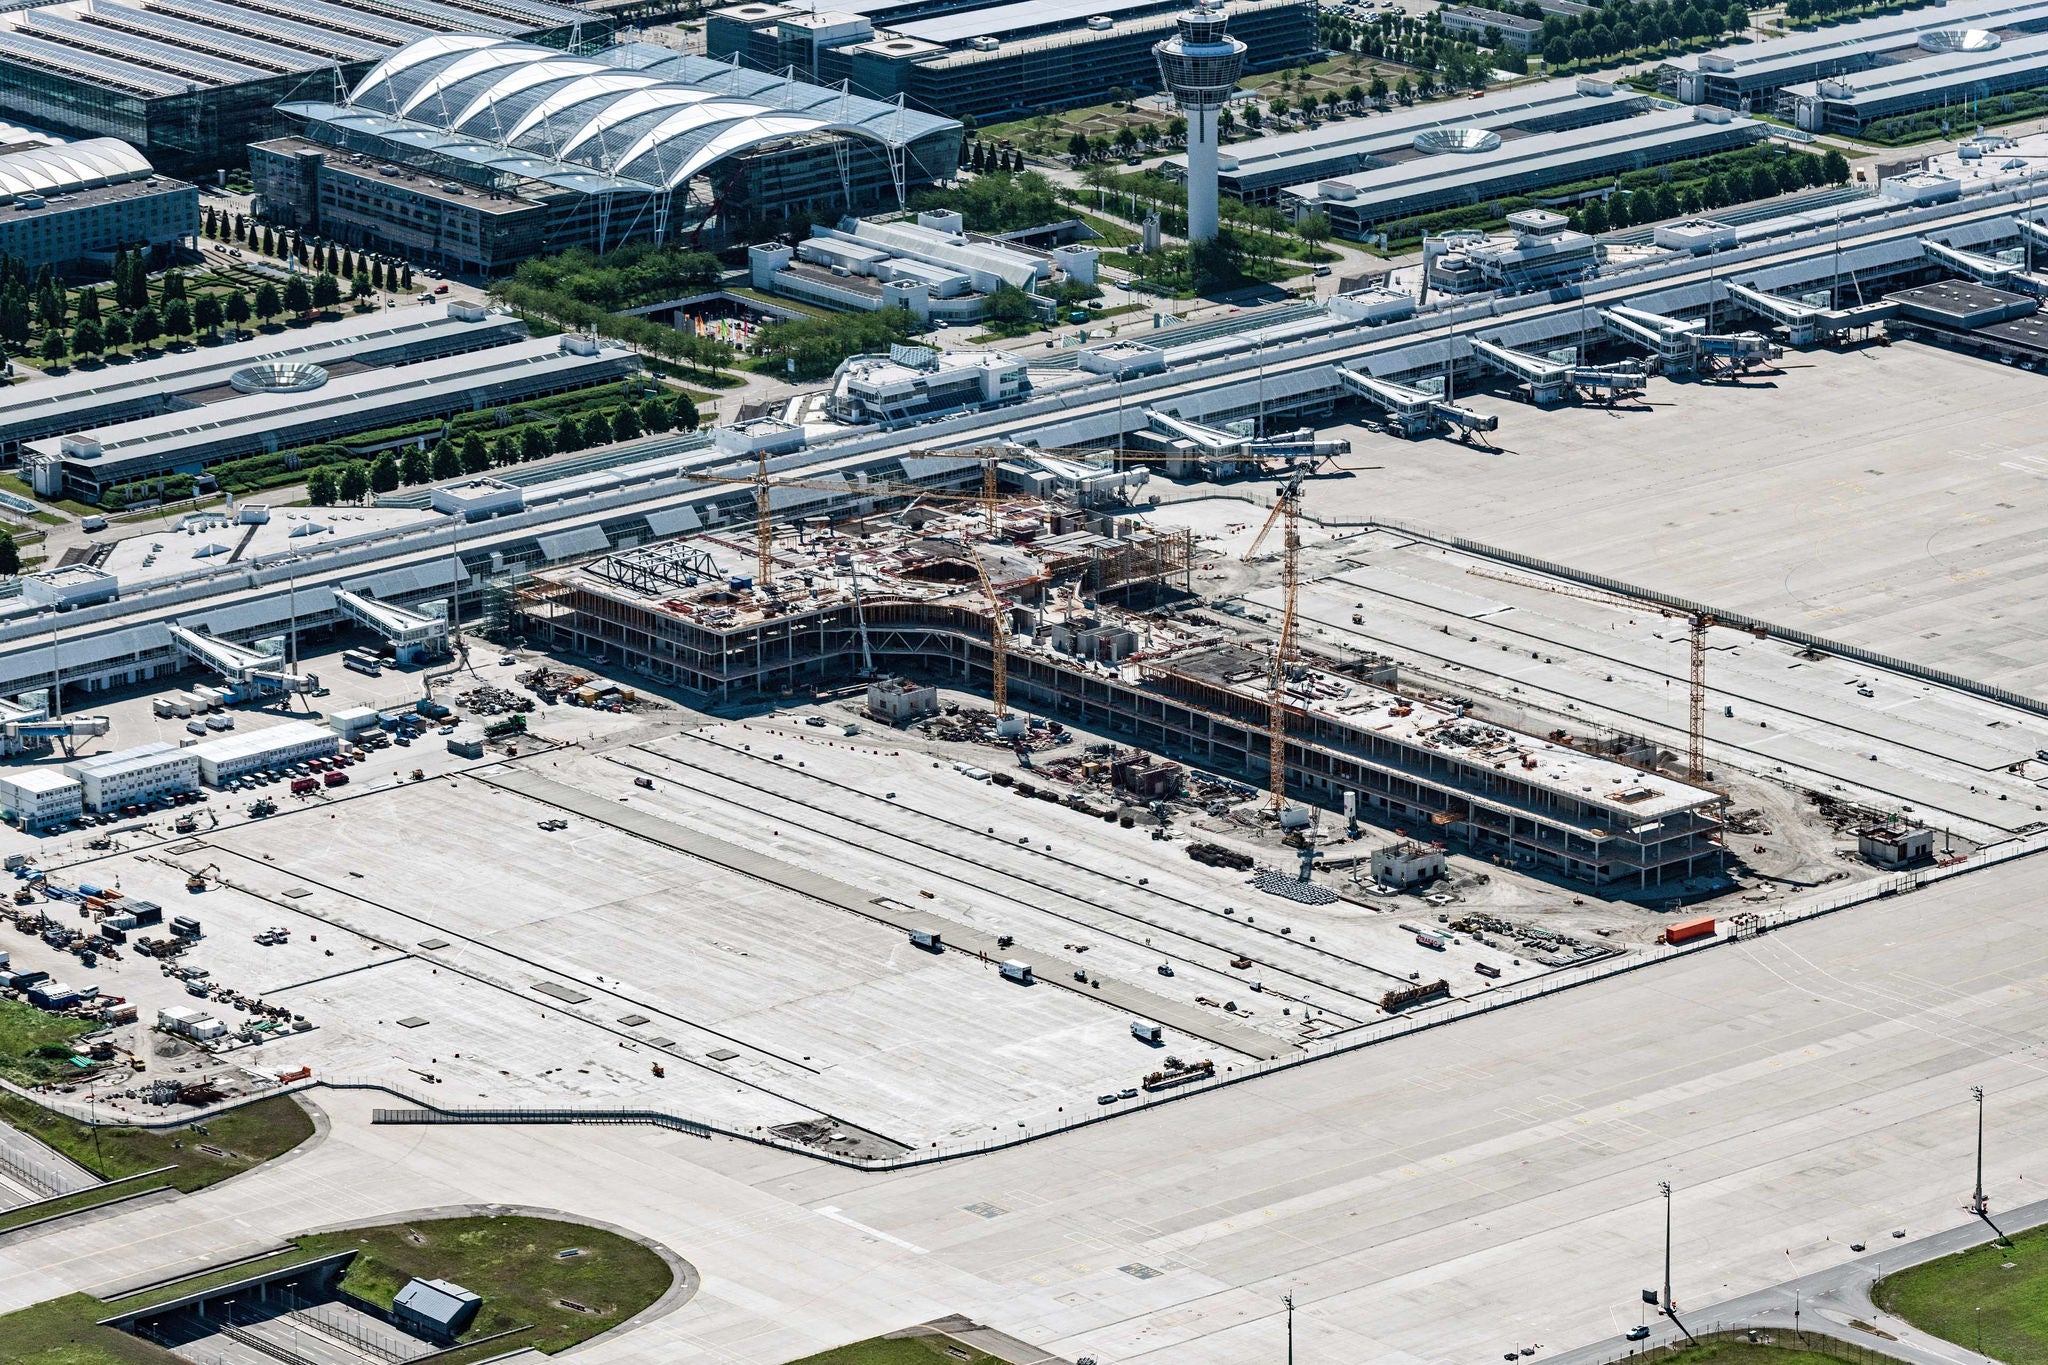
(1690, 930)
(1145, 1031)
(1019, 972)
(184, 926)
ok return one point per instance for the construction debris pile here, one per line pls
(1547, 946)
(1293, 888)
(486, 700)
(1216, 855)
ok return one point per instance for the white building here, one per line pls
(230, 756)
(130, 777)
(36, 797)
(1407, 864)
(350, 721)
(897, 701)
(478, 498)
(70, 587)
(931, 267)
(916, 381)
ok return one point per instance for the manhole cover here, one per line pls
(633, 1020)
(413, 1022)
(723, 1054)
(434, 944)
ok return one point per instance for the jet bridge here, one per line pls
(1983, 269)
(1550, 381)
(1684, 346)
(1413, 413)
(249, 673)
(1804, 322)
(413, 635)
(1187, 449)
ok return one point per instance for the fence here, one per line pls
(1812, 1343)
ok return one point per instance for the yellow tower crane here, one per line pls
(1287, 511)
(1698, 623)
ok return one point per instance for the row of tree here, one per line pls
(92, 335)
(343, 263)
(1622, 26)
(1654, 204)
(1799, 11)
(982, 157)
(472, 454)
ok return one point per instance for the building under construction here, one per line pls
(1092, 610)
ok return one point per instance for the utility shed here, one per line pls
(435, 1307)
(1895, 845)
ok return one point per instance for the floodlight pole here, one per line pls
(1978, 1205)
(1288, 1299)
(1670, 1308)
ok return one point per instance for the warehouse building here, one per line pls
(283, 406)
(479, 152)
(1979, 67)
(994, 60)
(190, 82)
(70, 202)
(1488, 167)
(1258, 169)
(85, 399)
(1749, 77)
(247, 751)
(36, 798)
(133, 777)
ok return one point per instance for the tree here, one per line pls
(1009, 306)
(268, 305)
(269, 243)
(405, 278)
(54, 347)
(1177, 128)
(173, 287)
(1593, 218)
(147, 327)
(568, 436)
(236, 310)
(504, 451)
(177, 319)
(413, 467)
(87, 339)
(1280, 106)
(533, 445)
(626, 423)
(355, 481)
(1404, 92)
(117, 332)
(475, 459)
(89, 305)
(597, 428)
(653, 415)
(376, 274)
(1355, 97)
(384, 473)
(1077, 146)
(326, 291)
(1379, 90)
(297, 297)
(1835, 168)
(447, 461)
(10, 554)
(683, 412)
(360, 287)
(50, 306)
(1314, 229)
(320, 487)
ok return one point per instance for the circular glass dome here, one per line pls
(278, 378)
(1958, 40)
(1459, 140)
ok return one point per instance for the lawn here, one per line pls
(1745, 1353)
(513, 1264)
(224, 1145)
(1959, 1296)
(895, 1351)
(35, 1047)
(510, 1262)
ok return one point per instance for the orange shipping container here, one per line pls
(1690, 930)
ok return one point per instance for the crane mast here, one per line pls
(1286, 511)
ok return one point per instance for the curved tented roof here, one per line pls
(70, 166)
(634, 116)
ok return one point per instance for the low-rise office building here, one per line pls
(1491, 27)
(992, 60)
(1953, 69)
(130, 777)
(35, 798)
(83, 201)
(247, 751)
(931, 267)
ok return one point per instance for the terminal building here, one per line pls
(1257, 170)
(190, 82)
(69, 202)
(478, 152)
(993, 60)
(914, 382)
(178, 381)
(1749, 77)
(911, 602)
(278, 407)
(1950, 68)
(1473, 168)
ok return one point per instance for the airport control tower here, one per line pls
(1200, 65)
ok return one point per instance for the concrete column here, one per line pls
(1202, 173)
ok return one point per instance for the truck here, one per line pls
(1689, 930)
(335, 779)
(1145, 1031)
(928, 939)
(302, 785)
(1019, 972)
